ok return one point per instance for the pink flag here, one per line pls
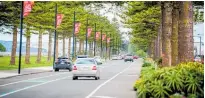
(89, 32)
(103, 37)
(108, 40)
(97, 35)
(77, 27)
(27, 7)
(59, 19)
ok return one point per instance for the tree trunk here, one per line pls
(56, 46)
(49, 46)
(166, 33)
(174, 41)
(152, 50)
(156, 48)
(185, 37)
(69, 46)
(14, 46)
(39, 47)
(27, 57)
(63, 46)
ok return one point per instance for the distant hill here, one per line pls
(8, 45)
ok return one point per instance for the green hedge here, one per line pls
(186, 79)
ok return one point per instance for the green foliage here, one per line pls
(185, 79)
(143, 18)
(2, 48)
(141, 53)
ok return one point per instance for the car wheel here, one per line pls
(70, 69)
(96, 78)
(75, 78)
(56, 69)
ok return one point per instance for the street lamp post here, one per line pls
(101, 44)
(73, 48)
(54, 55)
(95, 39)
(106, 47)
(21, 33)
(86, 37)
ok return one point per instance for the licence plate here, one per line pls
(62, 62)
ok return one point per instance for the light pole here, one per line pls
(73, 48)
(21, 33)
(95, 39)
(101, 44)
(54, 55)
(86, 37)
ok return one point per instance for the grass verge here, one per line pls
(4, 63)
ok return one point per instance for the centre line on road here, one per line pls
(31, 79)
(2, 95)
(94, 91)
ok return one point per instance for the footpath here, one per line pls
(26, 71)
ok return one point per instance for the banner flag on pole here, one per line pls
(89, 31)
(97, 35)
(59, 19)
(103, 37)
(77, 27)
(27, 7)
(108, 40)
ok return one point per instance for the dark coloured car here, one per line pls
(63, 63)
(129, 57)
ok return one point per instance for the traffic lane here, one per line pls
(25, 77)
(122, 85)
(70, 88)
(37, 75)
(15, 86)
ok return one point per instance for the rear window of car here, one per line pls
(85, 61)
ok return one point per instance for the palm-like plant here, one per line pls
(174, 80)
(159, 89)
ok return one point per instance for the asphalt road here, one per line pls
(117, 80)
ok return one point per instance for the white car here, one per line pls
(86, 67)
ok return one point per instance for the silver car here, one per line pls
(86, 67)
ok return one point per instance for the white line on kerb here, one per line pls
(94, 91)
(33, 86)
(30, 79)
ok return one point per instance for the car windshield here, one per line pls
(85, 61)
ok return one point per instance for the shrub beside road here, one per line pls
(183, 80)
(4, 63)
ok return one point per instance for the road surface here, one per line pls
(117, 80)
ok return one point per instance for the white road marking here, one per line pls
(31, 79)
(94, 91)
(25, 88)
